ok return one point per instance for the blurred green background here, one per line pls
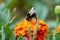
(12, 11)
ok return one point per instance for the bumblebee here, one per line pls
(31, 14)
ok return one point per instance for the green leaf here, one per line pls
(57, 35)
(22, 38)
(3, 35)
(9, 3)
(0, 31)
(2, 7)
(12, 19)
(5, 15)
(0, 37)
(9, 33)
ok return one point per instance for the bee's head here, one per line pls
(31, 14)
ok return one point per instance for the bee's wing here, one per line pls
(32, 11)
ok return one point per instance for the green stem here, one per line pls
(57, 20)
(3, 36)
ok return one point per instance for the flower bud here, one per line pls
(57, 9)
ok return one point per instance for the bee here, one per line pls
(31, 14)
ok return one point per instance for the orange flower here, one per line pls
(22, 26)
(22, 29)
(57, 29)
(43, 26)
(42, 30)
(40, 35)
